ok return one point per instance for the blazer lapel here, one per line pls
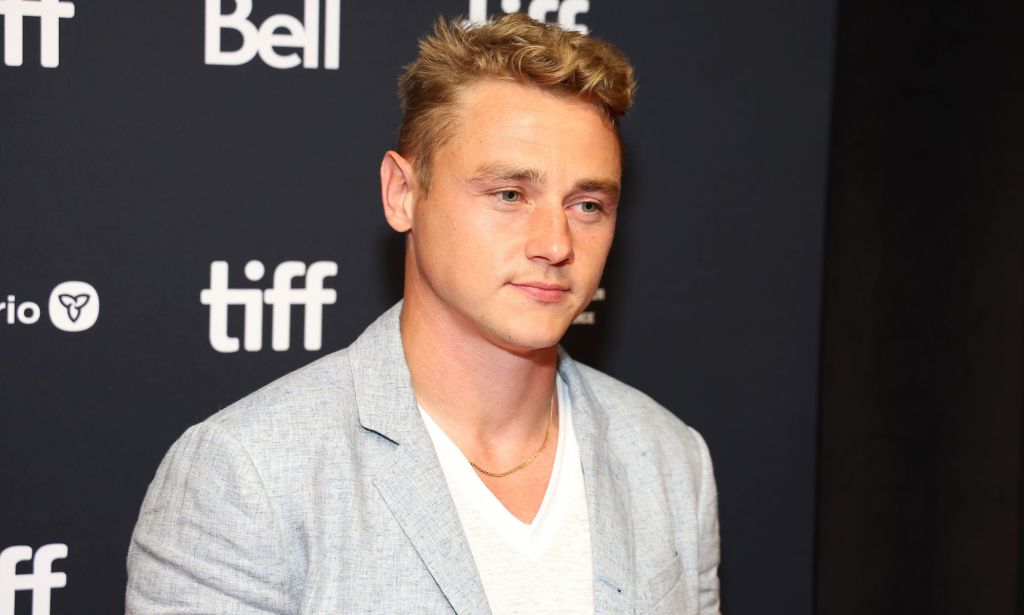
(410, 479)
(611, 530)
(415, 491)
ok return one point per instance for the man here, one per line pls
(452, 459)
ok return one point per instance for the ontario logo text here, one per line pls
(74, 306)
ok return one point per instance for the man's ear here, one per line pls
(397, 190)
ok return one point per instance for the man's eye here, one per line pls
(509, 196)
(589, 207)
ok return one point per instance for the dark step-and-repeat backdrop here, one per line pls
(164, 164)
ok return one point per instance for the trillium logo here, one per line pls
(74, 306)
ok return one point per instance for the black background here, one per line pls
(919, 490)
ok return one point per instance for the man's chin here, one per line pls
(527, 340)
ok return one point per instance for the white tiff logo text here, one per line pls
(281, 297)
(280, 31)
(565, 10)
(74, 306)
(40, 581)
(49, 12)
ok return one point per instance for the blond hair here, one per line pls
(514, 48)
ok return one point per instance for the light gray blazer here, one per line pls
(322, 493)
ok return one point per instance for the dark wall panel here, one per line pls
(919, 486)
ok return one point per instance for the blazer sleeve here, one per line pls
(208, 539)
(707, 516)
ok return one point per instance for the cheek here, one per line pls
(496, 235)
(463, 251)
(592, 254)
(595, 242)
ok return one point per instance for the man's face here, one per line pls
(511, 240)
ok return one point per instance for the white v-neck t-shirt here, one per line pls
(541, 567)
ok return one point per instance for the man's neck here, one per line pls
(481, 394)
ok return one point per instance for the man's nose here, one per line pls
(549, 237)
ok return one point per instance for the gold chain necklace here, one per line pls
(532, 458)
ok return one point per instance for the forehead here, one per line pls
(504, 122)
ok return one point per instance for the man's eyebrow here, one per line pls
(607, 187)
(488, 173)
(506, 173)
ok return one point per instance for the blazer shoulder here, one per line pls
(640, 423)
(297, 406)
(323, 394)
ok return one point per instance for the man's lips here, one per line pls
(542, 291)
